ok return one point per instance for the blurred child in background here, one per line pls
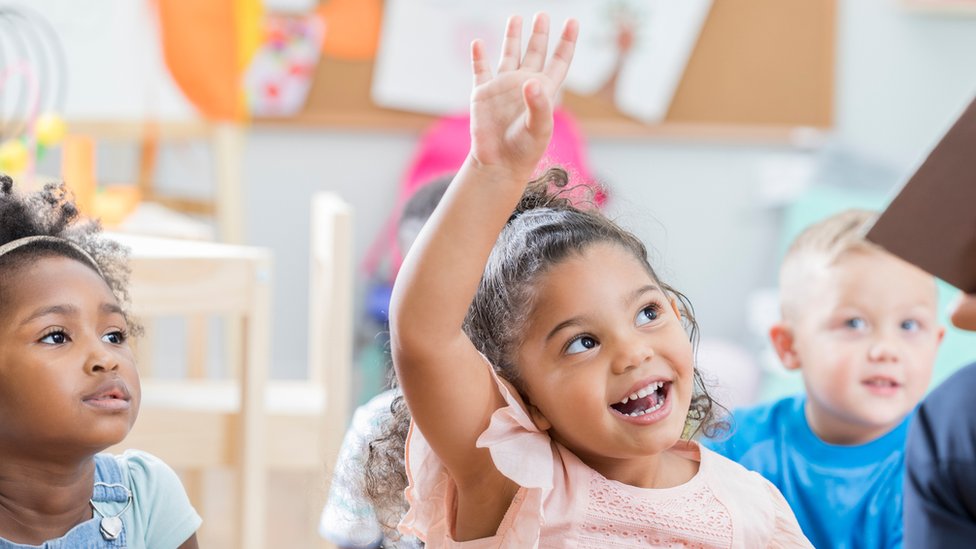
(860, 326)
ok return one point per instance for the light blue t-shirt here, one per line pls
(145, 494)
(161, 514)
(844, 497)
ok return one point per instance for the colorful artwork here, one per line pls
(206, 45)
(280, 74)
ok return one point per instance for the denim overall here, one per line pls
(112, 496)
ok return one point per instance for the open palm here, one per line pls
(511, 111)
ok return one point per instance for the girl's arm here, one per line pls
(445, 382)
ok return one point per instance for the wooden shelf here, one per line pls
(131, 129)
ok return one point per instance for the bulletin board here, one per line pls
(760, 68)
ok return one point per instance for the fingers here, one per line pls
(479, 65)
(535, 53)
(963, 312)
(563, 54)
(538, 120)
(512, 45)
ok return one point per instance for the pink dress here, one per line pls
(564, 503)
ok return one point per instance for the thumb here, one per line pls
(538, 119)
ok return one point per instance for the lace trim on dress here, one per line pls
(619, 518)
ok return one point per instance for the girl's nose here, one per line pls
(634, 352)
(101, 359)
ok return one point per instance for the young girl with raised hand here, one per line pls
(69, 389)
(576, 438)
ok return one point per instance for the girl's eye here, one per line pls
(55, 338)
(647, 315)
(117, 337)
(580, 344)
(855, 323)
(910, 325)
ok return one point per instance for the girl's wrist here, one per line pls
(498, 173)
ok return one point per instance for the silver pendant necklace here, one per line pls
(111, 525)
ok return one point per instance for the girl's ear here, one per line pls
(538, 419)
(781, 335)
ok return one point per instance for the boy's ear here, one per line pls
(540, 420)
(781, 335)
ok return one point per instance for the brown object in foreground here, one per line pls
(932, 221)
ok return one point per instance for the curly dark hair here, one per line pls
(547, 227)
(385, 472)
(51, 212)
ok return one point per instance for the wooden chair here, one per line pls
(197, 423)
(201, 422)
(224, 141)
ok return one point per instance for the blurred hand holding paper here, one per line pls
(932, 221)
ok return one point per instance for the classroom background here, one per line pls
(719, 129)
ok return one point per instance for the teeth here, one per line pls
(654, 408)
(643, 392)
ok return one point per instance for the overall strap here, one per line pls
(109, 483)
(110, 487)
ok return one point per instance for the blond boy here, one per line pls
(860, 326)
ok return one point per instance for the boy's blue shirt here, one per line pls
(843, 496)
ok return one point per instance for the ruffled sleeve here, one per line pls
(519, 451)
(786, 530)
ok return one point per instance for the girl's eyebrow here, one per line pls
(62, 310)
(632, 297)
(68, 310)
(564, 324)
(639, 292)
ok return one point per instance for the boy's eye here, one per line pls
(117, 337)
(647, 315)
(55, 338)
(580, 344)
(855, 323)
(910, 325)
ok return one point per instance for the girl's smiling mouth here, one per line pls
(647, 404)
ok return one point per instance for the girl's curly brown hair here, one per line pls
(546, 228)
(51, 212)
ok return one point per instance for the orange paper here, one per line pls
(200, 42)
(78, 170)
(352, 28)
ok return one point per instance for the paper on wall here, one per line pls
(423, 63)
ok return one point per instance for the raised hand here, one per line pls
(511, 112)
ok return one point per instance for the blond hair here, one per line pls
(822, 244)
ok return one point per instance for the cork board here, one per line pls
(760, 67)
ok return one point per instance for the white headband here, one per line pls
(20, 242)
